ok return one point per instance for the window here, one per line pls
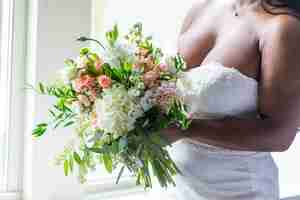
(12, 60)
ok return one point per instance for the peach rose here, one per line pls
(94, 120)
(136, 66)
(104, 81)
(84, 100)
(84, 82)
(151, 77)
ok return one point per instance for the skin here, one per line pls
(260, 45)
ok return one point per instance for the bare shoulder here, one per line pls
(193, 12)
(283, 29)
(199, 5)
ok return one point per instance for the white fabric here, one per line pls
(213, 173)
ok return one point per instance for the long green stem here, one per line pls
(84, 39)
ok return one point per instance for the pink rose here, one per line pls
(95, 124)
(104, 81)
(163, 67)
(190, 115)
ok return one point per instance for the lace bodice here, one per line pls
(215, 91)
(211, 172)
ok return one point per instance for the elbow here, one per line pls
(180, 47)
(285, 142)
(282, 147)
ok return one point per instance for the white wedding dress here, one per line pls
(213, 173)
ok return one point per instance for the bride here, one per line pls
(243, 91)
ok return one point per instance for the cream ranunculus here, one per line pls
(68, 73)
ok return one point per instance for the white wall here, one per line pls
(289, 164)
(53, 27)
(161, 19)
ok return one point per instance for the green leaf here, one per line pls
(107, 162)
(69, 123)
(66, 167)
(41, 88)
(58, 124)
(92, 71)
(52, 113)
(69, 62)
(115, 147)
(97, 150)
(77, 158)
(112, 36)
(40, 130)
(84, 51)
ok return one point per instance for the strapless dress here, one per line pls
(214, 91)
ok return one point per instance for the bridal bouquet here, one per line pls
(118, 101)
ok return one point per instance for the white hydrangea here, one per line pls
(117, 111)
(121, 50)
(134, 92)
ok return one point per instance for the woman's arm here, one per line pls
(279, 99)
(239, 134)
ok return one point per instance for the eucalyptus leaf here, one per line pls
(66, 167)
(77, 158)
(98, 150)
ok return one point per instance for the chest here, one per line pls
(224, 38)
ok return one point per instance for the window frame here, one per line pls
(13, 56)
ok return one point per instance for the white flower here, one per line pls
(81, 61)
(171, 64)
(121, 51)
(117, 111)
(68, 73)
(134, 92)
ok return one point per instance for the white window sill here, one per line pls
(10, 196)
(108, 190)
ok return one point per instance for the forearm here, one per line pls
(240, 134)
